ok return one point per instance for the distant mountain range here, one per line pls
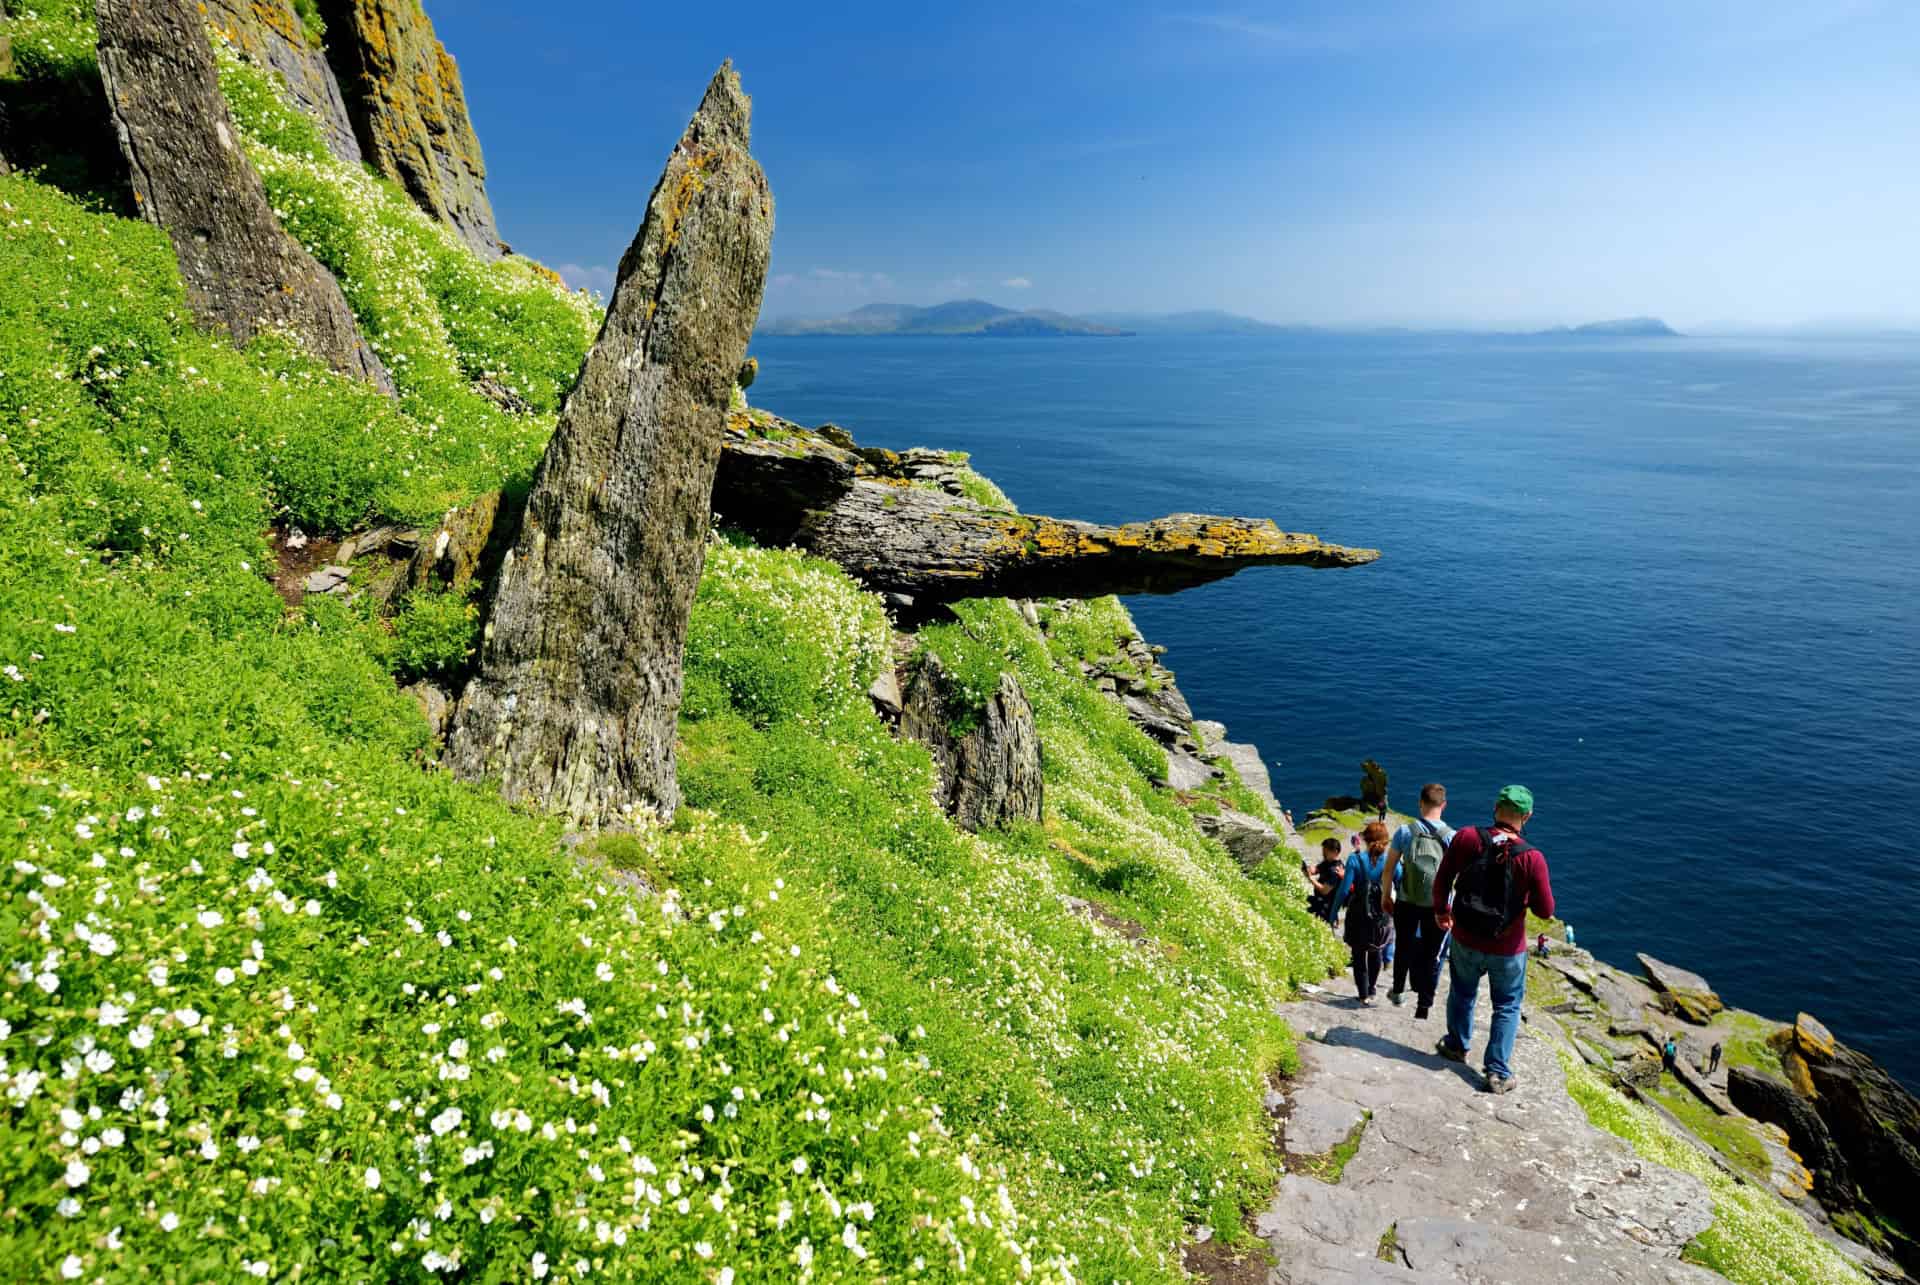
(958, 317)
(978, 317)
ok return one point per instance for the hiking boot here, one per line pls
(1420, 1013)
(1368, 1001)
(1398, 997)
(1499, 1084)
(1446, 1050)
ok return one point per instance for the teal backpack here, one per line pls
(1420, 863)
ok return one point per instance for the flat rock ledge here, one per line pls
(887, 519)
(1475, 1188)
(1687, 995)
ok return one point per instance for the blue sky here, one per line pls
(1491, 161)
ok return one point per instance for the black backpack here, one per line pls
(1488, 894)
(1367, 922)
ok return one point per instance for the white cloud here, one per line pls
(1018, 283)
(598, 278)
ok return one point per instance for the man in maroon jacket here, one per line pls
(1494, 876)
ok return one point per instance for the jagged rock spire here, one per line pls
(577, 693)
(243, 272)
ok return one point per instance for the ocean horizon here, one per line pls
(1671, 585)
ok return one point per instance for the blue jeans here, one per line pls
(1506, 982)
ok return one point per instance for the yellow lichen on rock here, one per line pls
(1813, 1040)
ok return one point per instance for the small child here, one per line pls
(1324, 879)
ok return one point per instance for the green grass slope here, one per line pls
(281, 1000)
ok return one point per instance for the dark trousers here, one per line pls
(1366, 968)
(1417, 958)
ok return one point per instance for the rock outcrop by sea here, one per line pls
(890, 521)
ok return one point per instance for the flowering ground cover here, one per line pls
(279, 1000)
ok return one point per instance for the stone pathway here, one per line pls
(1450, 1183)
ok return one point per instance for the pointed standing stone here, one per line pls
(577, 694)
(191, 177)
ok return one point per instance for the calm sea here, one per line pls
(1673, 586)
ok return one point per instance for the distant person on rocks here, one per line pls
(1669, 1052)
(1493, 876)
(1570, 941)
(1325, 879)
(1544, 947)
(1713, 1059)
(1417, 850)
(1369, 926)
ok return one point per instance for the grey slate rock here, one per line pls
(1185, 772)
(886, 695)
(1248, 838)
(990, 774)
(577, 693)
(1320, 1121)
(1668, 977)
(1479, 1188)
(409, 112)
(191, 177)
(271, 34)
(1253, 772)
(327, 579)
(1156, 718)
(435, 705)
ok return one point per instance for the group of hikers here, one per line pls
(1426, 893)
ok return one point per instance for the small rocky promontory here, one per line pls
(900, 525)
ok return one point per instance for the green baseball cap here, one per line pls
(1517, 797)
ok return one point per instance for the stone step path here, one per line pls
(1460, 1185)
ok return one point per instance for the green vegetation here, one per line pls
(1755, 1239)
(979, 489)
(315, 26)
(296, 1003)
(1748, 1041)
(1237, 794)
(1731, 1136)
(286, 1001)
(435, 633)
(1389, 1250)
(1330, 1167)
(1117, 1078)
(1877, 1230)
(1545, 987)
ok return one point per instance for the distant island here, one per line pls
(1622, 328)
(957, 317)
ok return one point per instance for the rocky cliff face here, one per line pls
(272, 34)
(191, 177)
(578, 689)
(886, 518)
(409, 112)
